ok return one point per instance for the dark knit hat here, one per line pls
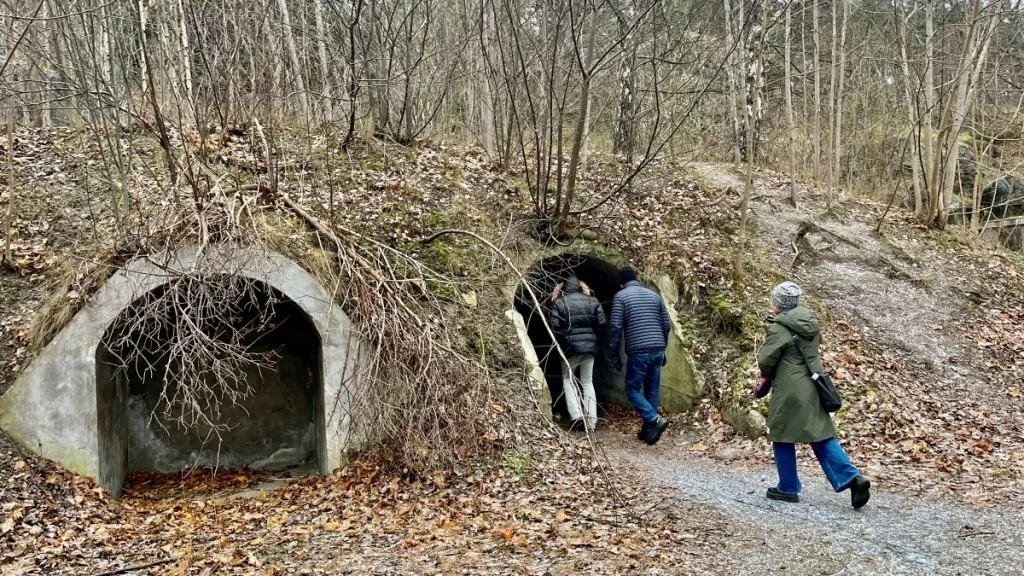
(626, 275)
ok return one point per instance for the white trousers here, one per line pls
(585, 407)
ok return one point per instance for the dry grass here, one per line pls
(70, 289)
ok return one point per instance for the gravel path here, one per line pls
(822, 534)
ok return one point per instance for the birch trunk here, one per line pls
(43, 66)
(816, 30)
(293, 53)
(326, 89)
(186, 59)
(730, 74)
(624, 128)
(748, 182)
(143, 53)
(789, 105)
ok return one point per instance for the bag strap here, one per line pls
(800, 349)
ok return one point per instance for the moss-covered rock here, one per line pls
(682, 384)
(736, 402)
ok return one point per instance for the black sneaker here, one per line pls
(860, 492)
(655, 434)
(774, 494)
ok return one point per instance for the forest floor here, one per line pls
(925, 338)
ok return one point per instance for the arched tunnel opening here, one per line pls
(260, 403)
(602, 278)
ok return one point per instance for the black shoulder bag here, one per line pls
(828, 396)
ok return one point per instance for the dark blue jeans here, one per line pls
(831, 456)
(643, 384)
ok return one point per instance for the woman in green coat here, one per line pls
(795, 415)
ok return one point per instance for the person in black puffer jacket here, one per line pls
(577, 318)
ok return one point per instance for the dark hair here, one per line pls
(626, 275)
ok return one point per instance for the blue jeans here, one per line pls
(831, 456)
(643, 385)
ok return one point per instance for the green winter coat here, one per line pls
(794, 414)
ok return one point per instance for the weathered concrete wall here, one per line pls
(112, 427)
(53, 408)
(535, 373)
(275, 428)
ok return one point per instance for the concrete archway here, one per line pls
(61, 408)
(274, 428)
(682, 383)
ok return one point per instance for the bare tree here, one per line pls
(790, 120)
(752, 121)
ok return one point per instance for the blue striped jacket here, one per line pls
(643, 316)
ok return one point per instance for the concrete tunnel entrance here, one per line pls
(277, 425)
(602, 278)
(72, 405)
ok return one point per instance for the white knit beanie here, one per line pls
(786, 295)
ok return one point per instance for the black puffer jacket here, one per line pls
(576, 320)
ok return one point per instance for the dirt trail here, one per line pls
(892, 535)
(903, 293)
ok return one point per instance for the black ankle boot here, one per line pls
(774, 494)
(656, 431)
(860, 492)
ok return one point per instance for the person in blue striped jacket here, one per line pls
(642, 315)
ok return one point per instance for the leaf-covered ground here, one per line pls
(536, 513)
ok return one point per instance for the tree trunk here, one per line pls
(833, 64)
(350, 78)
(325, 70)
(752, 118)
(143, 53)
(43, 67)
(293, 53)
(930, 100)
(915, 122)
(804, 91)
(186, 61)
(789, 105)
(624, 125)
(837, 127)
(586, 75)
(730, 75)
(976, 46)
(816, 25)
(12, 186)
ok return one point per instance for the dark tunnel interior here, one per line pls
(602, 278)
